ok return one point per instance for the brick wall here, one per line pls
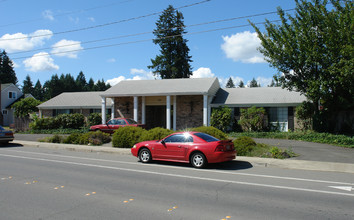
(189, 111)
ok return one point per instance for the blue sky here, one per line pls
(112, 39)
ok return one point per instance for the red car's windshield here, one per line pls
(206, 137)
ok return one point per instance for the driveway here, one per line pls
(313, 151)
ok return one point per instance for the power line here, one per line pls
(139, 41)
(106, 24)
(67, 13)
(143, 33)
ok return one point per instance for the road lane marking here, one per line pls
(184, 176)
(194, 170)
(346, 188)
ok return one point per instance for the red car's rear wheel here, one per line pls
(198, 160)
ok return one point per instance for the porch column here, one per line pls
(135, 108)
(209, 109)
(40, 113)
(143, 109)
(103, 110)
(205, 110)
(168, 112)
(112, 111)
(174, 112)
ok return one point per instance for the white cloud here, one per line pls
(115, 81)
(112, 60)
(264, 81)
(23, 42)
(236, 81)
(67, 48)
(261, 80)
(40, 62)
(48, 14)
(140, 74)
(243, 47)
(91, 19)
(203, 72)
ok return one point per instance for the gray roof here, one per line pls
(193, 86)
(75, 100)
(6, 85)
(259, 96)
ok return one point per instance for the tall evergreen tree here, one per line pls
(81, 83)
(38, 91)
(91, 85)
(27, 86)
(7, 73)
(174, 59)
(254, 83)
(241, 84)
(101, 86)
(230, 83)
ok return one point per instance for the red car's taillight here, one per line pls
(220, 148)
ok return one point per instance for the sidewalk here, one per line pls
(255, 161)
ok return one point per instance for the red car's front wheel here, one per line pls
(144, 155)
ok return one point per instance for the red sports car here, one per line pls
(196, 148)
(114, 124)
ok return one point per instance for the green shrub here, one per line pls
(155, 134)
(64, 121)
(126, 137)
(44, 123)
(74, 121)
(72, 139)
(94, 119)
(244, 145)
(221, 118)
(93, 137)
(252, 119)
(211, 131)
(55, 139)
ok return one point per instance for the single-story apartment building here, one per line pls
(182, 103)
(176, 103)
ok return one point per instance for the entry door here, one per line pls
(155, 116)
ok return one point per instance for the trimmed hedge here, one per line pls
(92, 138)
(73, 121)
(155, 134)
(244, 145)
(126, 137)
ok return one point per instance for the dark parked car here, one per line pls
(196, 148)
(6, 135)
(115, 124)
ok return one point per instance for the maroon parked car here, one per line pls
(114, 124)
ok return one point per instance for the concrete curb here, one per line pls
(255, 161)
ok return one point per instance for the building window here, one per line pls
(12, 95)
(4, 112)
(278, 118)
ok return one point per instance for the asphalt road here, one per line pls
(37, 183)
(306, 150)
